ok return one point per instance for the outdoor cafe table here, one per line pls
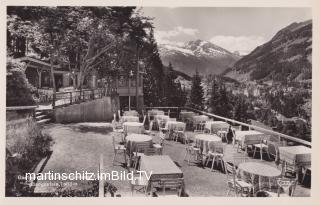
(260, 170)
(129, 118)
(131, 113)
(205, 141)
(133, 127)
(134, 139)
(249, 137)
(214, 126)
(174, 125)
(299, 156)
(161, 117)
(184, 115)
(199, 118)
(160, 166)
(152, 113)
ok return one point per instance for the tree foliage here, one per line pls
(196, 96)
(19, 91)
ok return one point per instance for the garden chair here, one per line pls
(150, 151)
(140, 184)
(223, 133)
(286, 188)
(234, 137)
(138, 153)
(235, 184)
(273, 150)
(144, 119)
(191, 150)
(262, 146)
(169, 187)
(118, 149)
(216, 154)
(179, 132)
(199, 127)
(159, 146)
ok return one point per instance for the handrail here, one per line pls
(287, 137)
(254, 127)
(12, 108)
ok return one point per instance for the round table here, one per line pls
(260, 170)
(133, 127)
(172, 125)
(133, 139)
(205, 141)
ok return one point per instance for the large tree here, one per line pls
(196, 96)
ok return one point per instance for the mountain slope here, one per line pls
(287, 56)
(204, 56)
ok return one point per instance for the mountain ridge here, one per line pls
(287, 56)
(200, 55)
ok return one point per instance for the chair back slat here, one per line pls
(286, 185)
(141, 147)
(172, 184)
(150, 151)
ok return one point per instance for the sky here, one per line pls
(235, 29)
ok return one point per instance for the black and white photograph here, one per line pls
(150, 101)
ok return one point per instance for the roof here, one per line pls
(36, 63)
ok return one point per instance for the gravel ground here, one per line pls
(78, 148)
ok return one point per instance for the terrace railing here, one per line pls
(175, 112)
(76, 96)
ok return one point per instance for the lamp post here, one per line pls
(130, 75)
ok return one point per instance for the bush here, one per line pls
(19, 90)
(26, 145)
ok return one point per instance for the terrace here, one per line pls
(89, 147)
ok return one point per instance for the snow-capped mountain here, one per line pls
(203, 56)
(287, 56)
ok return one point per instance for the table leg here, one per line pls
(252, 179)
(259, 183)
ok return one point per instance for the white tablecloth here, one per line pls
(173, 125)
(133, 127)
(184, 115)
(297, 155)
(206, 142)
(215, 126)
(129, 118)
(134, 139)
(249, 137)
(131, 113)
(199, 118)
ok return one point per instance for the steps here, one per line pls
(42, 117)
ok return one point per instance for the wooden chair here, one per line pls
(262, 146)
(286, 188)
(118, 149)
(139, 152)
(144, 119)
(235, 184)
(191, 150)
(150, 151)
(179, 132)
(159, 146)
(199, 127)
(223, 133)
(216, 154)
(235, 141)
(149, 131)
(273, 150)
(170, 187)
(140, 184)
